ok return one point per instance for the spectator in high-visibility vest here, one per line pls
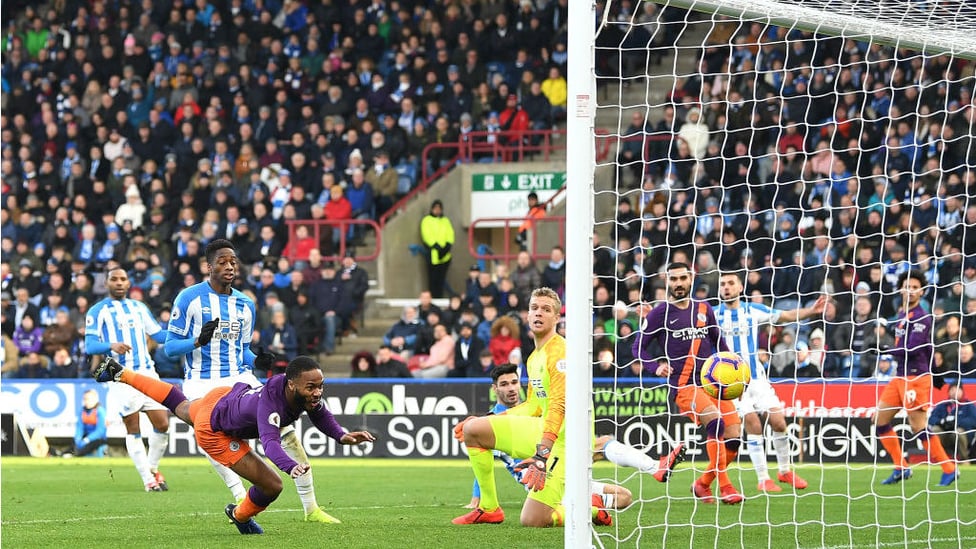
(437, 234)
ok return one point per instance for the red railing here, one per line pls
(474, 146)
(323, 227)
(510, 226)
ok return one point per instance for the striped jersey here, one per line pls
(224, 355)
(740, 328)
(124, 321)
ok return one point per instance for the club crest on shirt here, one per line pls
(175, 313)
(89, 321)
(235, 446)
(275, 419)
(561, 366)
(702, 317)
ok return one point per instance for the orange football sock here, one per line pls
(247, 509)
(714, 448)
(152, 388)
(933, 447)
(892, 445)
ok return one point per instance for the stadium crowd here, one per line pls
(136, 133)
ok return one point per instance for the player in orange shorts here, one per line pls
(911, 388)
(687, 331)
(227, 416)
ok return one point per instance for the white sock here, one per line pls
(230, 478)
(137, 453)
(757, 453)
(781, 445)
(628, 456)
(158, 442)
(303, 483)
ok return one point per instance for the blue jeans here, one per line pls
(328, 341)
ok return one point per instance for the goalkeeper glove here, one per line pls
(534, 469)
(459, 428)
(264, 359)
(207, 331)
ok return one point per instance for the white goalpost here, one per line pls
(819, 147)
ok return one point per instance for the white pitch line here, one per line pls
(903, 543)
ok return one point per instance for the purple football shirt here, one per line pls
(676, 330)
(246, 412)
(913, 342)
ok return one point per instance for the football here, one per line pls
(725, 376)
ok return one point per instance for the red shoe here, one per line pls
(161, 481)
(792, 479)
(602, 517)
(769, 486)
(668, 462)
(480, 516)
(702, 492)
(730, 496)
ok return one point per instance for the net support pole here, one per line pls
(580, 167)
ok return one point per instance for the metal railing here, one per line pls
(510, 249)
(320, 228)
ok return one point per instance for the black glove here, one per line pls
(206, 332)
(264, 360)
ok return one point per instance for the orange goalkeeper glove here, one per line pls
(534, 469)
(459, 428)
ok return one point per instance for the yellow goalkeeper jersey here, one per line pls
(546, 393)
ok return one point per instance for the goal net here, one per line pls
(811, 148)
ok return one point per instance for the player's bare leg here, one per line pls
(536, 514)
(265, 488)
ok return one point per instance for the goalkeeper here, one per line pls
(539, 422)
(505, 383)
(227, 416)
(210, 328)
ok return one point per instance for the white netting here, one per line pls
(814, 148)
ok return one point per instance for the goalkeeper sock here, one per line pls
(559, 515)
(781, 445)
(303, 483)
(757, 453)
(933, 447)
(891, 444)
(157, 447)
(230, 478)
(483, 464)
(628, 456)
(254, 502)
(164, 393)
(137, 453)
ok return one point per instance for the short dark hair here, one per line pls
(300, 365)
(678, 265)
(913, 273)
(502, 369)
(217, 244)
(740, 274)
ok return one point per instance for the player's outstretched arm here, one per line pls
(805, 312)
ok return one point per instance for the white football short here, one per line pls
(759, 397)
(129, 400)
(197, 388)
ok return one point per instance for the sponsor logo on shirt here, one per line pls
(540, 390)
(688, 334)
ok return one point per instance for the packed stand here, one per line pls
(136, 133)
(809, 165)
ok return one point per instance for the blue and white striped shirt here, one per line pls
(123, 321)
(224, 355)
(740, 328)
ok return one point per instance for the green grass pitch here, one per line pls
(84, 503)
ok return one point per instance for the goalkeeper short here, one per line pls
(911, 393)
(691, 400)
(223, 448)
(517, 437)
